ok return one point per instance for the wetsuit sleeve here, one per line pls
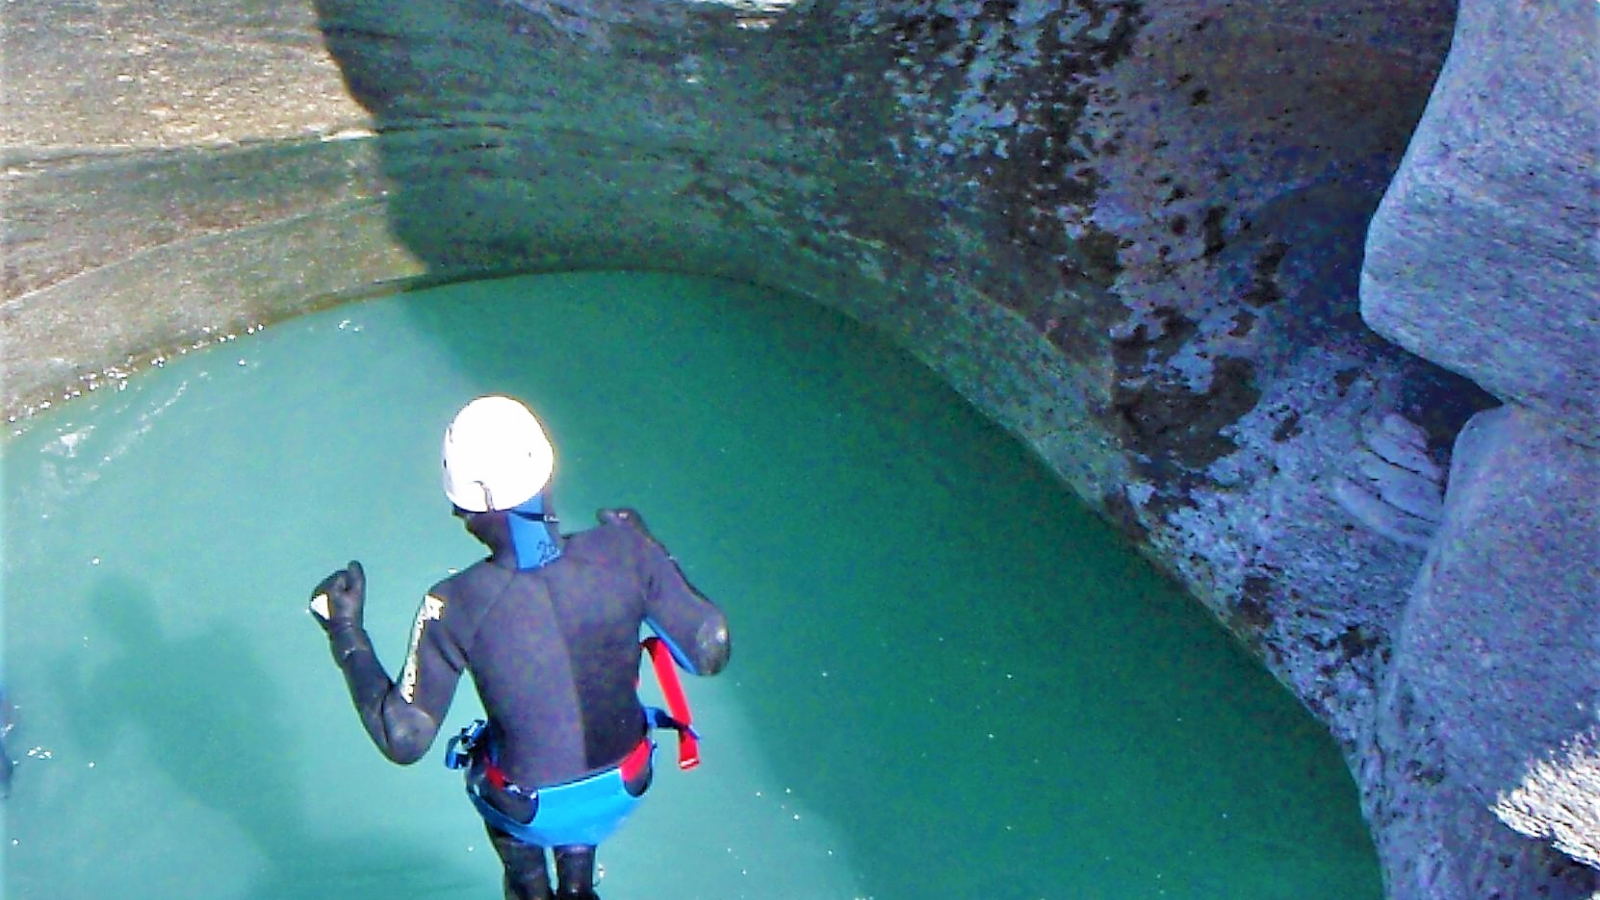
(693, 628)
(403, 717)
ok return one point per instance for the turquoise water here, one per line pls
(949, 679)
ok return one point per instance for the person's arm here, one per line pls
(401, 718)
(691, 626)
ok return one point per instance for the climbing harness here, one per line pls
(585, 811)
(676, 716)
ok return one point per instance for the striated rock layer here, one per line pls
(1132, 233)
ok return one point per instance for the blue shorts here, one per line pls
(580, 813)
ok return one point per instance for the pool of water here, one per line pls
(949, 678)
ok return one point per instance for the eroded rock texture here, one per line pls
(1130, 232)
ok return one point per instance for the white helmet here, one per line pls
(495, 455)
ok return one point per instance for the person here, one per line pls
(549, 626)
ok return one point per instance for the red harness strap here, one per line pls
(631, 766)
(635, 761)
(677, 704)
(677, 707)
(494, 774)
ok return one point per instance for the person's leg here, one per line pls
(575, 873)
(527, 875)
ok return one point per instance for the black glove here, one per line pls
(336, 603)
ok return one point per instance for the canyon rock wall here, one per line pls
(1483, 258)
(1131, 233)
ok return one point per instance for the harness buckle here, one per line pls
(459, 752)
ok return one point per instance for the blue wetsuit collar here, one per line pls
(523, 537)
(533, 534)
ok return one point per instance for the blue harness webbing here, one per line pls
(586, 811)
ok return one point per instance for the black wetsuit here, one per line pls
(554, 653)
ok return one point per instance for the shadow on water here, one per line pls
(205, 706)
